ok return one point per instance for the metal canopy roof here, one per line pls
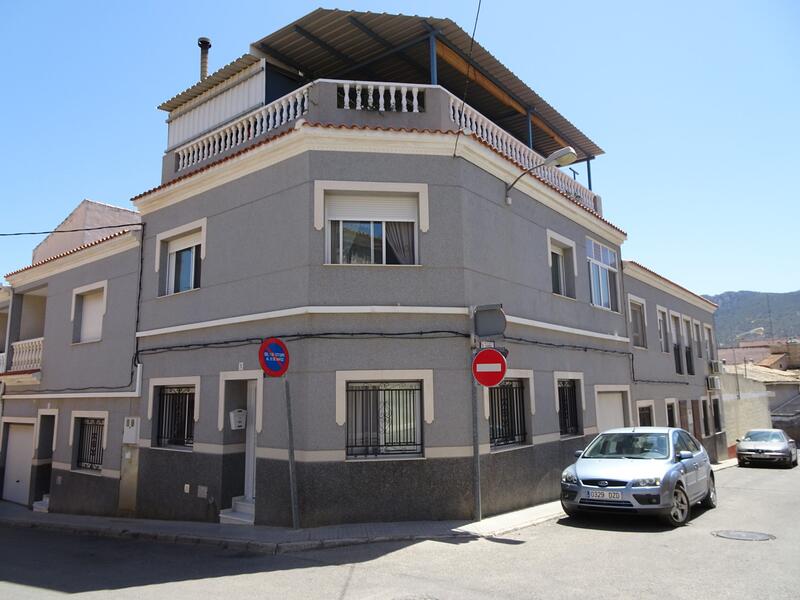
(339, 44)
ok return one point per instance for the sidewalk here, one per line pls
(277, 540)
(724, 464)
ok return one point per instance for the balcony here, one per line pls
(26, 363)
(365, 103)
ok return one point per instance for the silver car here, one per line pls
(650, 470)
(761, 446)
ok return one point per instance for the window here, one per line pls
(698, 341)
(602, 274)
(384, 418)
(638, 323)
(507, 413)
(676, 343)
(686, 442)
(175, 424)
(90, 443)
(372, 243)
(179, 256)
(568, 404)
(88, 309)
(562, 264)
(672, 416)
(368, 228)
(717, 417)
(709, 342)
(707, 418)
(646, 415)
(663, 330)
(183, 265)
(687, 346)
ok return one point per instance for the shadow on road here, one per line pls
(625, 522)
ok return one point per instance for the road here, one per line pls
(596, 558)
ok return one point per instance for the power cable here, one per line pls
(466, 76)
(16, 233)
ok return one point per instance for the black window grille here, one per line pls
(568, 406)
(90, 444)
(717, 419)
(671, 421)
(507, 413)
(689, 361)
(176, 416)
(646, 416)
(384, 418)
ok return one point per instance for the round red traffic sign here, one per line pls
(489, 367)
(273, 356)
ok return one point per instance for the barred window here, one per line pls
(568, 403)
(507, 413)
(90, 444)
(384, 418)
(176, 417)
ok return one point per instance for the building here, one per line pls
(331, 188)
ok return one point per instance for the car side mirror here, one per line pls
(738, 440)
(685, 455)
(578, 453)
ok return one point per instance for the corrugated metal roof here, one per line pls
(294, 46)
(209, 82)
(764, 374)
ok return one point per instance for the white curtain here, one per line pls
(400, 238)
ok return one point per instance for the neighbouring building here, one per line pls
(746, 406)
(331, 188)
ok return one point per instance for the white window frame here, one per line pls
(371, 187)
(643, 303)
(601, 265)
(225, 376)
(87, 289)
(651, 404)
(159, 382)
(558, 244)
(530, 399)
(708, 333)
(177, 239)
(577, 375)
(328, 231)
(698, 339)
(667, 340)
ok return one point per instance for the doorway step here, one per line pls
(243, 512)
(42, 505)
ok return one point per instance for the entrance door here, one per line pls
(250, 443)
(19, 454)
(610, 412)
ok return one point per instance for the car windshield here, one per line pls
(763, 436)
(629, 445)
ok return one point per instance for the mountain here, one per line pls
(742, 311)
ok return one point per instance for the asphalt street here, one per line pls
(592, 558)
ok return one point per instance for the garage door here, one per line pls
(609, 411)
(19, 453)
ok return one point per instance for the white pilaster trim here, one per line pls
(256, 374)
(638, 300)
(91, 287)
(19, 421)
(154, 382)
(176, 232)
(624, 388)
(420, 189)
(88, 414)
(425, 375)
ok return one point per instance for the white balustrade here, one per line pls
(381, 96)
(26, 354)
(253, 124)
(467, 118)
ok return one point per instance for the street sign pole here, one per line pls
(292, 472)
(476, 449)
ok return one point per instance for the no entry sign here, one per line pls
(273, 356)
(489, 367)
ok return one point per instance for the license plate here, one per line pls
(604, 495)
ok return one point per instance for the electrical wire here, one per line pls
(469, 66)
(16, 233)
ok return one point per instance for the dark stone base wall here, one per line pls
(411, 490)
(522, 477)
(162, 475)
(83, 494)
(40, 478)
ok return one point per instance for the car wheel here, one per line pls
(710, 501)
(680, 510)
(794, 462)
(742, 463)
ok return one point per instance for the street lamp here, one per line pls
(560, 158)
(755, 331)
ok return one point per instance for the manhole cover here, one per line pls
(745, 536)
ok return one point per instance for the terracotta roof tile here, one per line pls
(68, 252)
(368, 128)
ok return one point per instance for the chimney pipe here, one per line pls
(204, 44)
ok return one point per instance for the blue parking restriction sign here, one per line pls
(273, 356)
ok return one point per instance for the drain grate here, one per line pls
(745, 536)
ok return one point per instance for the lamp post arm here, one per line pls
(509, 186)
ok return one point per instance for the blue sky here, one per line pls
(695, 104)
